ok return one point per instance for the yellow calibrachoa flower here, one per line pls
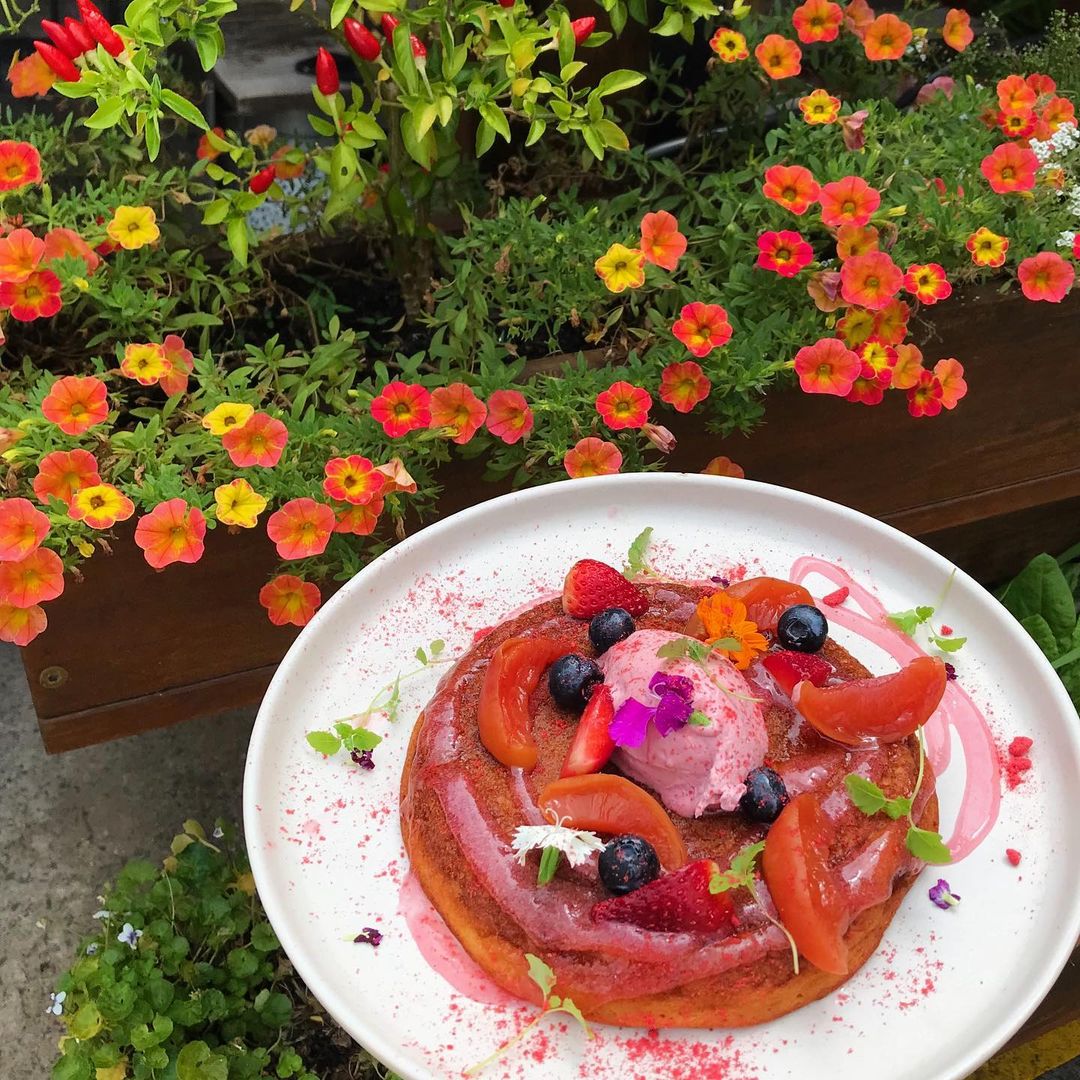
(621, 268)
(133, 227)
(238, 503)
(228, 416)
(143, 362)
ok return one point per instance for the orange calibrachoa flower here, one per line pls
(179, 364)
(19, 626)
(238, 503)
(886, 38)
(63, 472)
(133, 227)
(817, 20)
(957, 30)
(621, 268)
(909, 367)
(1046, 276)
(880, 357)
(1041, 84)
(924, 398)
(827, 367)
(75, 403)
(867, 388)
(30, 77)
(457, 412)
(68, 244)
(22, 528)
(289, 600)
(20, 253)
(856, 326)
(283, 169)
(950, 374)
(145, 363)
(724, 466)
(779, 57)
(508, 416)
(986, 247)
(890, 323)
(34, 579)
(172, 532)
(870, 281)
(1057, 111)
(301, 528)
(353, 479)
(401, 408)
(724, 618)
(227, 416)
(20, 165)
(684, 385)
(820, 107)
(792, 186)
(702, 327)
(396, 477)
(100, 506)
(623, 405)
(258, 442)
(359, 520)
(855, 240)
(849, 201)
(592, 457)
(927, 282)
(37, 296)
(729, 45)
(1017, 125)
(205, 149)
(1015, 95)
(785, 253)
(661, 242)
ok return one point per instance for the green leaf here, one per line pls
(206, 46)
(485, 138)
(367, 126)
(74, 1065)
(549, 863)
(948, 644)
(152, 135)
(928, 846)
(1043, 636)
(338, 10)
(404, 61)
(1041, 589)
(106, 114)
(567, 1006)
(565, 37)
(593, 141)
(263, 937)
(425, 118)
(214, 213)
(496, 118)
(243, 963)
(740, 872)
(324, 742)
(196, 1061)
(909, 621)
(614, 137)
(86, 1022)
(275, 1010)
(540, 974)
(670, 25)
(236, 233)
(636, 562)
(616, 81)
(698, 719)
(184, 109)
(536, 131)
(865, 794)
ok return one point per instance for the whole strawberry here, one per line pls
(593, 586)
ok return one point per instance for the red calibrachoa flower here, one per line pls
(353, 479)
(855, 240)
(1046, 276)
(702, 327)
(37, 296)
(34, 579)
(22, 528)
(867, 388)
(508, 416)
(20, 164)
(890, 323)
(1017, 125)
(76, 403)
(178, 365)
(909, 367)
(289, 600)
(856, 326)
(684, 385)
(785, 253)
(205, 150)
(792, 186)
(779, 57)
(1041, 84)
(301, 528)
(1014, 94)
(68, 244)
(957, 30)
(100, 506)
(817, 20)
(592, 457)
(880, 358)
(172, 532)
(886, 38)
(924, 398)
(820, 107)
(19, 626)
(457, 412)
(849, 201)
(359, 520)
(927, 282)
(827, 367)
(623, 405)
(986, 247)
(63, 472)
(401, 408)
(260, 441)
(20, 253)
(870, 281)
(950, 374)
(729, 45)
(661, 242)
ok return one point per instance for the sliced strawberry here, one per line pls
(672, 903)
(789, 668)
(592, 586)
(592, 745)
(835, 599)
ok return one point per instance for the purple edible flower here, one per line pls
(723, 582)
(369, 936)
(671, 712)
(363, 758)
(950, 672)
(942, 896)
(629, 724)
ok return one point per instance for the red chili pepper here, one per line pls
(583, 28)
(507, 3)
(262, 180)
(361, 40)
(61, 38)
(80, 35)
(326, 74)
(99, 27)
(388, 23)
(418, 49)
(61, 65)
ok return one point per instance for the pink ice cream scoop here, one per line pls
(697, 767)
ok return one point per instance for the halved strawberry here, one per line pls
(592, 745)
(592, 586)
(674, 902)
(789, 668)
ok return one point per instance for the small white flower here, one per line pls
(56, 1003)
(575, 844)
(92, 948)
(129, 936)
(102, 914)
(218, 832)
(1066, 239)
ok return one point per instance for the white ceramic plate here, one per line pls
(945, 989)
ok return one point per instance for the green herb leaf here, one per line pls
(948, 644)
(927, 845)
(698, 719)
(909, 621)
(740, 872)
(540, 974)
(549, 863)
(865, 794)
(635, 558)
(324, 742)
(567, 1006)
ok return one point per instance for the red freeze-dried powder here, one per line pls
(653, 1055)
(1018, 762)
(835, 599)
(1013, 856)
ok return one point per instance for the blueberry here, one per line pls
(802, 628)
(570, 680)
(612, 625)
(765, 795)
(627, 863)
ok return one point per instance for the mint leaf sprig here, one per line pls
(637, 563)
(343, 736)
(742, 873)
(544, 978)
(699, 652)
(919, 618)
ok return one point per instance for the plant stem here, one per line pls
(1068, 658)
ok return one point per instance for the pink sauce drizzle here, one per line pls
(957, 712)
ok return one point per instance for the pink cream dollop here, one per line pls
(696, 768)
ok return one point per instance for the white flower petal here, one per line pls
(576, 844)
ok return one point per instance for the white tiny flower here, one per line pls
(92, 948)
(56, 1003)
(102, 914)
(129, 936)
(218, 832)
(1066, 239)
(575, 844)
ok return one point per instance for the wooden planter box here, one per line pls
(988, 485)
